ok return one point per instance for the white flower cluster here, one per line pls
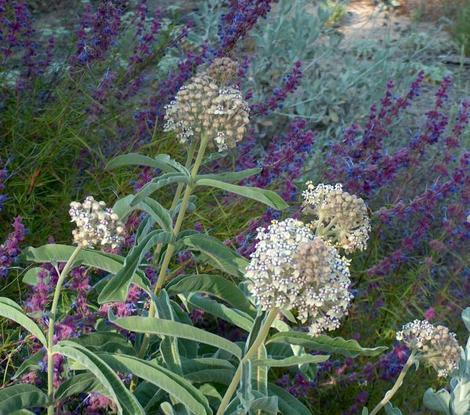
(293, 269)
(339, 215)
(206, 105)
(96, 224)
(435, 344)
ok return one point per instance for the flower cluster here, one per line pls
(202, 106)
(96, 224)
(339, 214)
(10, 249)
(291, 268)
(434, 344)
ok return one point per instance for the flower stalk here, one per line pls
(50, 333)
(260, 338)
(389, 395)
(170, 250)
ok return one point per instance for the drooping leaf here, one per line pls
(230, 177)
(173, 384)
(162, 327)
(30, 364)
(218, 255)
(83, 382)
(215, 285)
(126, 402)
(124, 207)
(54, 253)
(268, 197)
(12, 311)
(109, 342)
(233, 316)
(21, 396)
(337, 345)
(117, 287)
(159, 182)
(163, 162)
(291, 361)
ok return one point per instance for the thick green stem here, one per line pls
(263, 333)
(50, 332)
(179, 189)
(170, 250)
(389, 395)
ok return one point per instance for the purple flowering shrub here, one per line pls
(112, 93)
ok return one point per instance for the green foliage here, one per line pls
(460, 27)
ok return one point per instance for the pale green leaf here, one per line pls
(215, 285)
(268, 197)
(218, 255)
(162, 327)
(337, 345)
(127, 404)
(21, 396)
(12, 311)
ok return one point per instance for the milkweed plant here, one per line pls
(295, 288)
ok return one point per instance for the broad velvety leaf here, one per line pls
(466, 317)
(288, 404)
(326, 344)
(126, 402)
(268, 197)
(215, 285)
(21, 396)
(173, 328)
(12, 311)
(117, 287)
(173, 384)
(233, 316)
(218, 255)
(111, 263)
(291, 361)
(437, 401)
(230, 177)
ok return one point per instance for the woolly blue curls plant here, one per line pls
(296, 274)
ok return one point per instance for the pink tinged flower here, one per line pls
(430, 314)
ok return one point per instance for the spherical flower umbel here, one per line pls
(340, 216)
(96, 224)
(205, 106)
(436, 345)
(291, 268)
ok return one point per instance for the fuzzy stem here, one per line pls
(389, 395)
(50, 333)
(263, 333)
(179, 189)
(171, 246)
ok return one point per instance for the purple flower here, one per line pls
(10, 249)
